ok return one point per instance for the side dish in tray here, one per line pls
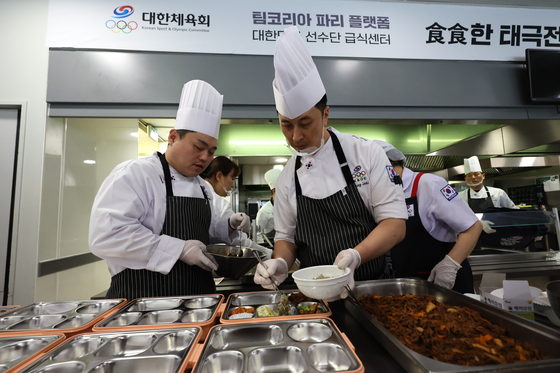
(451, 334)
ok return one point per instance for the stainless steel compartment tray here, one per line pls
(304, 345)
(59, 315)
(14, 350)
(271, 300)
(142, 312)
(547, 340)
(162, 351)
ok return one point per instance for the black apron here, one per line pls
(340, 221)
(186, 218)
(419, 252)
(479, 205)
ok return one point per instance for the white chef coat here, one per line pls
(499, 197)
(129, 211)
(442, 213)
(320, 176)
(265, 220)
(224, 207)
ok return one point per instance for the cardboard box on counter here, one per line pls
(516, 297)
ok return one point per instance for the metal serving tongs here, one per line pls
(351, 293)
(256, 253)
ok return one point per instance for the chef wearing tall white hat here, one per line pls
(265, 216)
(152, 217)
(478, 196)
(336, 202)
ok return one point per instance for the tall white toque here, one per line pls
(297, 84)
(472, 165)
(271, 176)
(200, 108)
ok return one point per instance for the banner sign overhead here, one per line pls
(362, 29)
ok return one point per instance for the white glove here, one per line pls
(348, 258)
(445, 272)
(240, 221)
(277, 271)
(268, 251)
(194, 254)
(486, 226)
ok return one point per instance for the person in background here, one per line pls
(221, 174)
(265, 216)
(153, 217)
(480, 197)
(335, 202)
(441, 230)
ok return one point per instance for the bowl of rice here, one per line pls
(321, 282)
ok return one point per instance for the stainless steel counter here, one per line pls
(516, 264)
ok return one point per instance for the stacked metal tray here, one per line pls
(15, 351)
(4, 309)
(155, 313)
(67, 317)
(271, 300)
(545, 339)
(162, 351)
(295, 346)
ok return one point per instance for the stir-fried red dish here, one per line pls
(451, 334)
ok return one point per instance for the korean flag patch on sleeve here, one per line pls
(391, 172)
(448, 192)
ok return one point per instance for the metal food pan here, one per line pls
(545, 339)
(271, 300)
(68, 317)
(161, 350)
(165, 312)
(304, 345)
(4, 309)
(17, 352)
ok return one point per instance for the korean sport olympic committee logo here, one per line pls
(120, 24)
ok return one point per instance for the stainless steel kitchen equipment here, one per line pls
(67, 317)
(314, 345)
(17, 352)
(233, 261)
(162, 351)
(546, 339)
(168, 312)
(553, 294)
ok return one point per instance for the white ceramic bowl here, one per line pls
(326, 288)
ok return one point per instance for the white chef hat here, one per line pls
(200, 108)
(392, 153)
(472, 165)
(297, 84)
(271, 176)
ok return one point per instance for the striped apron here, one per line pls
(340, 221)
(186, 218)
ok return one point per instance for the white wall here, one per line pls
(23, 79)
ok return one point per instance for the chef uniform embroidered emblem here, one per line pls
(309, 164)
(448, 192)
(410, 210)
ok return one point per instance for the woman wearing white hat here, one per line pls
(265, 216)
(441, 231)
(152, 217)
(336, 201)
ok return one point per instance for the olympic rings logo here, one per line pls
(358, 175)
(125, 27)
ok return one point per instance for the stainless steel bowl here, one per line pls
(234, 261)
(553, 293)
